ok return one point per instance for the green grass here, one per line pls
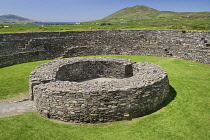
(184, 118)
(131, 24)
(14, 79)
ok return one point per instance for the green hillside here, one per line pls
(14, 19)
(140, 12)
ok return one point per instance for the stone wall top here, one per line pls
(108, 89)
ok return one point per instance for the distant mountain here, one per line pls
(138, 11)
(144, 12)
(14, 19)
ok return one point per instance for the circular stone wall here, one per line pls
(97, 89)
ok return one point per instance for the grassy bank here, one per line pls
(186, 117)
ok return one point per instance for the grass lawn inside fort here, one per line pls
(185, 117)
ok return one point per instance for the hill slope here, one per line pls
(138, 11)
(144, 12)
(14, 19)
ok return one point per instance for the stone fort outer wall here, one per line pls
(98, 89)
(25, 47)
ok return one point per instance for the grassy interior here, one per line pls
(186, 117)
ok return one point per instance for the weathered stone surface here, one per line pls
(25, 47)
(97, 89)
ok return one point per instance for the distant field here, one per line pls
(132, 24)
(184, 118)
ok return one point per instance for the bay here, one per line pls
(53, 23)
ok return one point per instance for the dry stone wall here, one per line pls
(108, 89)
(24, 47)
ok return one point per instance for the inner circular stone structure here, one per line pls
(97, 89)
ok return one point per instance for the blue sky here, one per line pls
(87, 10)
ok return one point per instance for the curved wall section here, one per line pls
(122, 90)
(24, 47)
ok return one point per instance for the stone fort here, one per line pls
(68, 89)
(97, 89)
(18, 48)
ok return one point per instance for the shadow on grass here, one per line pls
(171, 97)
